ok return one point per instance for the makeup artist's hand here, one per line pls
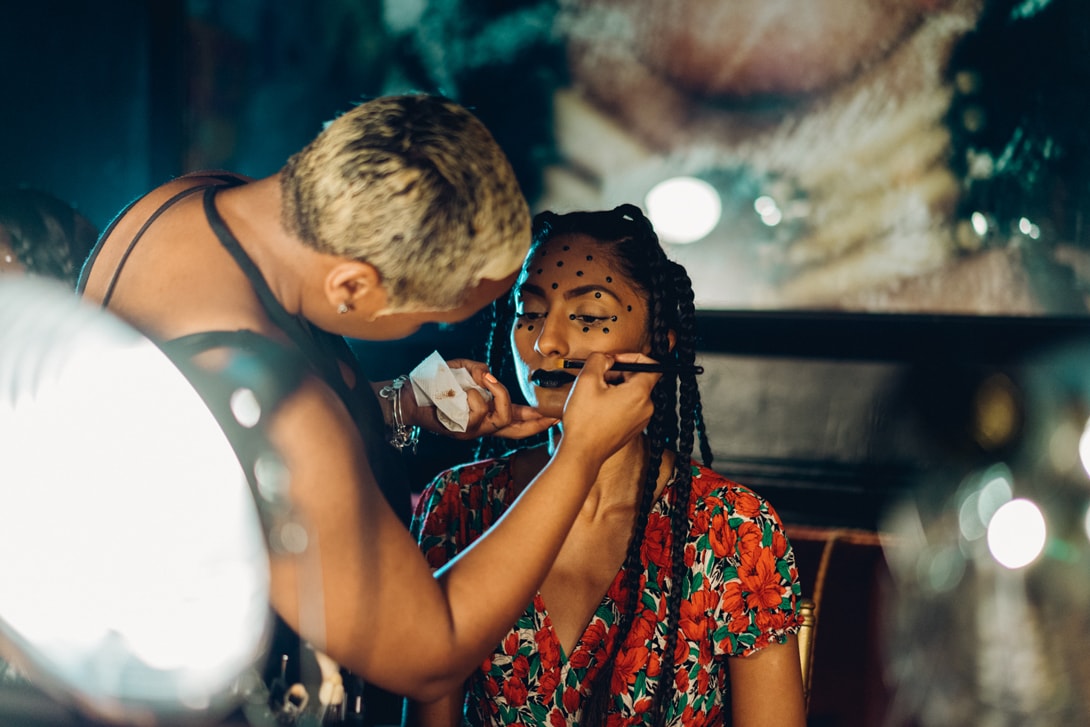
(498, 417)
(607, 408)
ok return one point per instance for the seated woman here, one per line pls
(672, 574)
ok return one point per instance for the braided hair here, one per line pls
(629, 240)
(49, 237)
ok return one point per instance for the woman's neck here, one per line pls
(252, 212)
(621, 478)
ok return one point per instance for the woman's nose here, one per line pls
(552, 339)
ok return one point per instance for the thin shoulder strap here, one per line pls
(81, 285)
(320, 350)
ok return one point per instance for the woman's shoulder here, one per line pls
(472, 482)
(460, 503)
(715, 493)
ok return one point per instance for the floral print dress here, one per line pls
(739, 595)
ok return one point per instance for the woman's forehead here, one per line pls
(578, 255)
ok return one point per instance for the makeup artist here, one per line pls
(673, 599)
(402, 211)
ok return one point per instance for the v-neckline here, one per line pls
(580, 643)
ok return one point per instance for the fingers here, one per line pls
(607, 408)
(525, 422)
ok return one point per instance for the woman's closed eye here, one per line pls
(587, 319)
(526, 315)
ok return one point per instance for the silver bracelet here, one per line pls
(402, 437)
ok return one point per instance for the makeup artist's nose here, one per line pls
(552, 339)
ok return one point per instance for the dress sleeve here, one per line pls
(435, 518)
(754, 572)
(458, 506)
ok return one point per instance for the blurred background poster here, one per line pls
(904, 156)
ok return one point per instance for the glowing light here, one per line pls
(141, 575)
(995, 493)
(1084, 447)
(769, 211)
(1028, 228)
(246, 407)
(980, 223)
(1016, 534)
(684, 209)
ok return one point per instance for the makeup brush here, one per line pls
(660, 368)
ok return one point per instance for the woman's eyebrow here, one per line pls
(531, 289)
(587, 290)
(579, 292)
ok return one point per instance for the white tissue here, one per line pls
(436, 384)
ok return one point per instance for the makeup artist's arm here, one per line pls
(444, 712)
(363, 593)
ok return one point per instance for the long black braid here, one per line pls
(631, 242)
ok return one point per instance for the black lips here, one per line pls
(551, 379)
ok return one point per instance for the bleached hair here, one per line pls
(416, 186)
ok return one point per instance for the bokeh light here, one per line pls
(1016, 533)
(684, 209)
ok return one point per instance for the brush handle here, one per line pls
(649, 367)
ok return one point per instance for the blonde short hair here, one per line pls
(416, 186)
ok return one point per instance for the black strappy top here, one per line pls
(278, 367)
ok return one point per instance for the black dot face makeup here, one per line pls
(574, 303)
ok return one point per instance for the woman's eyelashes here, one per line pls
(584, 321)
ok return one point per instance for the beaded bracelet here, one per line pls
(402, 437)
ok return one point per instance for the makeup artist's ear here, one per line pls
(355, 284)
(671, 335)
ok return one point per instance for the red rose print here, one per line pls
(547, 684)
(571, 699)
(721, 536)
(699, 524)
(511, 643)
(474, 496)
(437, 555)
(749, 537)
(762, 581)
(514, 691)
(771, 621)
(745, 502)
(557, 718)
(694, 614)
(548, 648)
(681, 680)
(734, 604)
(702, 678)
(643, 626)
(702, 486)
(656, 544)
(631, 662)
(580, 658)
(520, 667)
(779, 544)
